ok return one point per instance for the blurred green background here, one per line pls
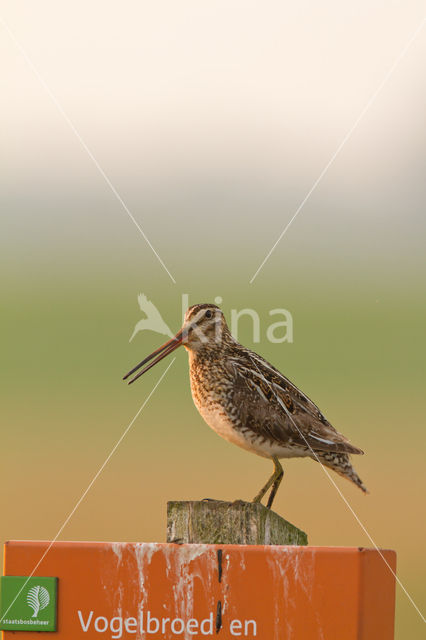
(212, 131)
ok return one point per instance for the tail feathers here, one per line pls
(341, 464)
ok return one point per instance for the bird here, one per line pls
(153, 320)
(248, 402)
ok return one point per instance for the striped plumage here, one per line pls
(249, 402)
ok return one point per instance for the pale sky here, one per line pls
(220, 109)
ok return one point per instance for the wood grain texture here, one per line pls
(217, 522)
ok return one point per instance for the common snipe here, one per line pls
(249, 402)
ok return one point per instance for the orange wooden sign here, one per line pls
(167, 591)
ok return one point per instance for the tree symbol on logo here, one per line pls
(38, 598)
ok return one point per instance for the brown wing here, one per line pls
(278, 409)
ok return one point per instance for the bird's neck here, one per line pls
(210, 352)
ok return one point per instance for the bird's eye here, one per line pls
(209, 313)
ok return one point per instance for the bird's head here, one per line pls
(204, 327)
(204, 324)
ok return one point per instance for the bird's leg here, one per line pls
(279, 472)
(274, 480)
(262, 492)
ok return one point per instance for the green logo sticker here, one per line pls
(28, 604)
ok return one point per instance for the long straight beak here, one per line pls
(161, 353)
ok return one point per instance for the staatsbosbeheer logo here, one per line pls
(28, 603)
(38, 598)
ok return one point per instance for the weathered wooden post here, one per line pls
(218, 522)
